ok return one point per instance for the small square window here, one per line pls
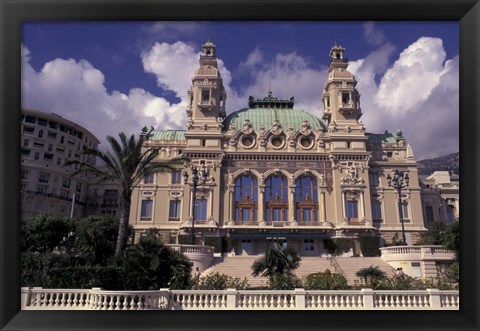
(149, 179)
(177, 177)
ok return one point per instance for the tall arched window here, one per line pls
(306, 199)
(246, 198)
(276, 196)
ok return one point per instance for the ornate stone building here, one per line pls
(278, 173)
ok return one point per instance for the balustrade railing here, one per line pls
(231, 299)
(189, 249)
(259, 300)
(418, 252)
(334, 263)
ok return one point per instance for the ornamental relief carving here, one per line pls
(276, 128)
(247, 127)
(351, 176)
(306, 128)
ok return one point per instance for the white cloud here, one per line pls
(372, 35)
(412, 77)
(418, 94)
(173, 66)
(286, 75)
(76, 90)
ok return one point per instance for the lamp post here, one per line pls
(199, 177)
(399, 181)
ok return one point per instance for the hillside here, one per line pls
(450, 163)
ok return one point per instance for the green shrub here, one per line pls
(221, 244)
(96, 238)
(35, 267)
(373, 277)
(286, 281)
(370, 246)
(150, 265)
(325, 281)
(184, 239)
(338, 246)
(219, 281)
(401, 282)
(44, 232)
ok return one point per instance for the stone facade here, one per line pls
(277, 173)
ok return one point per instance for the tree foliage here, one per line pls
(372, 276)
(43, 233)
(150, 265)
(325, 281)
(277, 260)
(95, 238)
(219, 281)
(441, 233)
(127, 164)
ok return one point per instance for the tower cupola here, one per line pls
(341, 100)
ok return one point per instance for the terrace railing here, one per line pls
(38, 298)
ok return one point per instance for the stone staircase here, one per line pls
(240, 266)
(236, 266)
(350, 265)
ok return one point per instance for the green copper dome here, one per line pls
(265, 111)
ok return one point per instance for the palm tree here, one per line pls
(371, 275)
(277, 260)
(127, 164)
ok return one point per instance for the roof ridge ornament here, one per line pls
(270, 102)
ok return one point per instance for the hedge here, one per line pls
(370, 246)
(221, 244)
(338, 246)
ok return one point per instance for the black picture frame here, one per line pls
(14, 12)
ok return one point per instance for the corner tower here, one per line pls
(206, 108)
(341, 100)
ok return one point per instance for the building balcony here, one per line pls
(54, 196)
(355, 223)
(201, 224)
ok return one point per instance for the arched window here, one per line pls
(306, 199)
(246, 198)
(276, 196)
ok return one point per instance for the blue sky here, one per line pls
(119, 76)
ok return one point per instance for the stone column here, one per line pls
(362, 205)
(210, 207)
(323, 204)
(291, 203)
(261, 204)
(231, 204)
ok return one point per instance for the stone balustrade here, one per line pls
(192, 249)
(200, 256)
(416, 253)
(37, 298)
